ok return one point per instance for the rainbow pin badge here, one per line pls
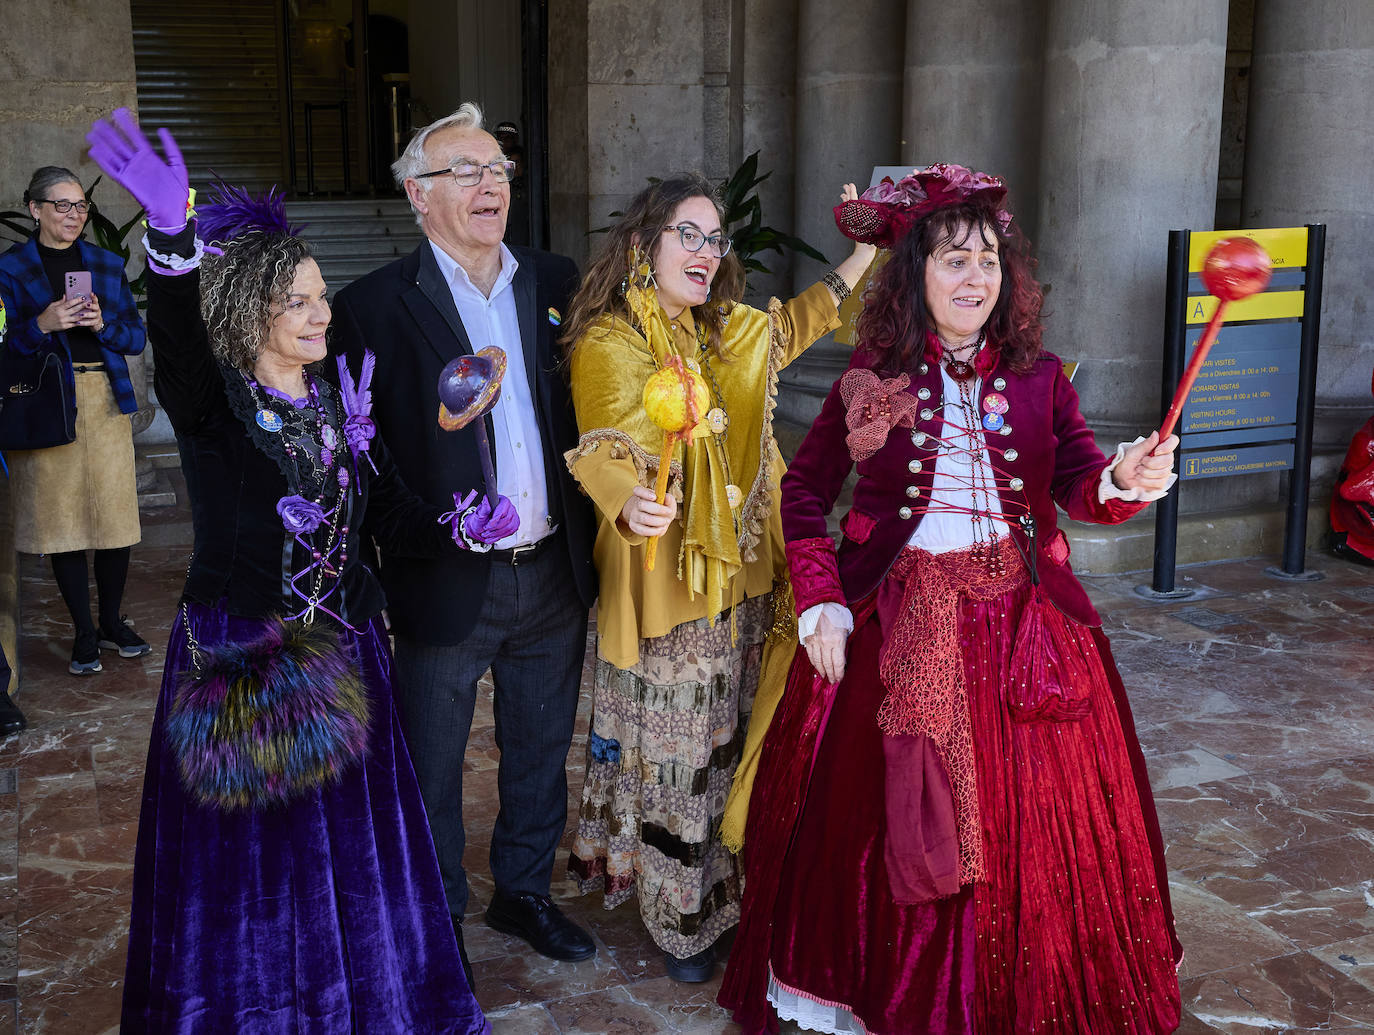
(555, 318)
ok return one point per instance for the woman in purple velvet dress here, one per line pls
(283, 882)
(952, 829)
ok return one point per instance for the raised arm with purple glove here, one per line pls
(477, 527)
(126, 155)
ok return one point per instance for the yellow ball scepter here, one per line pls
(674, 399)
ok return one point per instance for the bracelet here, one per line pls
(836, 284)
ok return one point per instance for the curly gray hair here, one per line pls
(242, 291)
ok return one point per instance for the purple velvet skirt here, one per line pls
(323, 916)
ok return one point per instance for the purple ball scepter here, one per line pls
(468, 388)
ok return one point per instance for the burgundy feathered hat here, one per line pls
(884, 213)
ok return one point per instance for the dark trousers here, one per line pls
(532, 634)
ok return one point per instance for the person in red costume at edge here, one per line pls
(1352, 504)
(952, 829)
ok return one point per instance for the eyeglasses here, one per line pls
(63, 205)
(692, 239)
(469, 174)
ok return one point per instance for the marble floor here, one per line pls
(1254, 704)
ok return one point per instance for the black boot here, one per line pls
(11, 718)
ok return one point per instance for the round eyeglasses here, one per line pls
(692, 239)
(63, 205)
(469, 174)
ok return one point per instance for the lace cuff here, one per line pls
(457, 520)
(173, 263)
(811, 617)
(1108, 490)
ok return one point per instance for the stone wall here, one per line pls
(62, 65)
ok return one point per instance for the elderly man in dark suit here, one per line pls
(520, 609)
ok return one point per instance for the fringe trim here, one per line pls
(623, 447)
(758, 505)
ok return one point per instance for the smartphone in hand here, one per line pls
(78, 285)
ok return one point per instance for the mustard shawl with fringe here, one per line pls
(703, 566)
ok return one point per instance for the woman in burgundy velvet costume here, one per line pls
(952, 829)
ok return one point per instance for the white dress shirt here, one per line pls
(493, 320)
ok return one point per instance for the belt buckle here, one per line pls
(516, 551)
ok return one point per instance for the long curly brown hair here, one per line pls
(645, 218)
(895, 320)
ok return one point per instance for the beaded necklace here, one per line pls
(328, 552)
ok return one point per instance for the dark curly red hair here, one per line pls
(894, 322)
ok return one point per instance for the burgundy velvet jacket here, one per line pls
(1046, 456)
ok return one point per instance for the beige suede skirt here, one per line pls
(80, 496)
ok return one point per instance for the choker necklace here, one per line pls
(962, 370)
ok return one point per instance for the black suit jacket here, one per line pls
(404, 313)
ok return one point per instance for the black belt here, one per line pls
(519, 555)
(88, 368)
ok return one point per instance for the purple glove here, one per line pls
(491, 526)
(477, 527)
(128, 158)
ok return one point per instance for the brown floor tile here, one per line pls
(1259, 735)
(1290, 993)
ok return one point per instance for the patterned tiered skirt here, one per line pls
(666, 737)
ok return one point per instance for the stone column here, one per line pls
(568, 135)
(972, 91)
(646, 90)
(1132, 127)
(768, 60)
(849, 111)
(1308, 144)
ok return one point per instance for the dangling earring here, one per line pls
(640, 272)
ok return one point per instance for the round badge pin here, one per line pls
(555, 317)
(994, 403)
(268, 420)
(992, 421)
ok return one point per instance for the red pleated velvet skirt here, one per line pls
(1070, 932)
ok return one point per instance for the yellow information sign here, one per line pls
(1267, 305)
(1287, 246)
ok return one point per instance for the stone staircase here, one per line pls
(354, 236)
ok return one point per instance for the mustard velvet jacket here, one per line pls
(619, 448)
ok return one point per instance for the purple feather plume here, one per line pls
(357, 401)
(232, 211)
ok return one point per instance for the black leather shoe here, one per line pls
(537, 920)
(692, 970)
(463, 953)
(11, 718)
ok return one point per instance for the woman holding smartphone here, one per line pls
(66, 296)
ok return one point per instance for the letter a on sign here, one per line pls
(1198, 314)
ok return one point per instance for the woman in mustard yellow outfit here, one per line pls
(681, 648)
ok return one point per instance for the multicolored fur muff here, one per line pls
(260, 722)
